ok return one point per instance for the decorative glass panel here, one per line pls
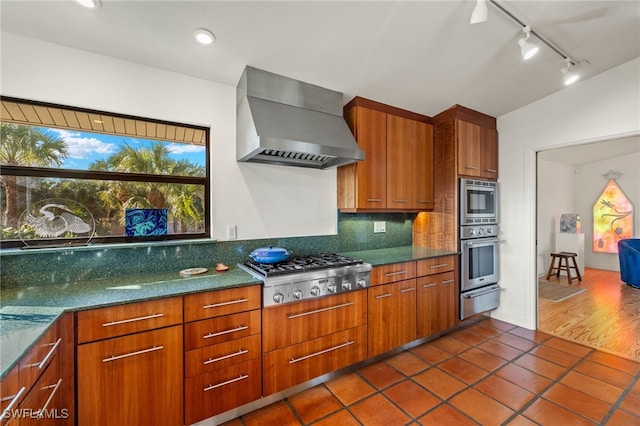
(612, 219)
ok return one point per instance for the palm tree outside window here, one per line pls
(106, 163)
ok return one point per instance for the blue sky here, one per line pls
(83, 148)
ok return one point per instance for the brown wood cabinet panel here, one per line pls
(11, 394)
(435, 265)
(222, 302)
(135, 380)
(362, 185)
(103, 323)
(213, 357)
(424, 174)
(393, 272)
(468, 135)
(392, 316)
(436, 303)
(221, 329)
(401, 162)
(45, 351)
(489, 153)
(221, 390)
(45, 402)
(296, 322)
(296, 364)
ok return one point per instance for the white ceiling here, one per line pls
(423, 56)
(592, 152)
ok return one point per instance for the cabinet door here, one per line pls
(134, 380)
(401, 153)
(392, 316)
(489, 153)
(468, 135)
(45, 403)
(423, 156)
(437, 303)
(448, 301)
(371, 174)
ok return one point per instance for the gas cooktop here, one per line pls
(299, 264)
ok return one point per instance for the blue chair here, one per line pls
(629, 255)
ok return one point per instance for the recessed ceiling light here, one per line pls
(204, 36)
(90, 4)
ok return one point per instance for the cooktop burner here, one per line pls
(302, 264)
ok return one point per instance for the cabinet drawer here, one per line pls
(219, 391)
(213, 357)
(393, 272)
(436, 265)
(104, 323)
(302, 362)
(46, 395)
(221, 302)
(46, 350)
(11, 393)
(217, 330)
(296, 322)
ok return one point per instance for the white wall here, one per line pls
(262, 200)
(603, 107)
(555, 196)
(589, 184)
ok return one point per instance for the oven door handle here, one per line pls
(471, 295)
(481, 242)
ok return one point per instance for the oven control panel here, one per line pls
(478, 231)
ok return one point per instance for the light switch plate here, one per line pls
(232, 232)
(379, 227)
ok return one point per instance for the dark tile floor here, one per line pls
(489, 373)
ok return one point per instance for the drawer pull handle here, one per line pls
(447, 281)
(374, 200)
(429, 285)
(439, 265)
(220, 358)
(382, 296)
(53, 392)
(491, 170)
(143, 351)
(472, 167)
(335, 348)
(406, 290)
(6, 413)
(44, 362)
(217, 305)
(152, 316)
(424, 201)
(228, 382)
(400, 201)
(317, 311)
(391, 274)
(220, 333)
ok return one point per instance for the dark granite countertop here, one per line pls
(27, 312)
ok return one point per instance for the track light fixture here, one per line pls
(569, 76)
(479, 12)
(527, 48)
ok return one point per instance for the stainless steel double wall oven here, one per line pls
(479, 247)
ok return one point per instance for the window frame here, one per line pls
(45, 172)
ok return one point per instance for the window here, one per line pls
(72, 176)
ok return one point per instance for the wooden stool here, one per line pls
(563, 257)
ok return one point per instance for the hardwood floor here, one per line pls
(606, 316)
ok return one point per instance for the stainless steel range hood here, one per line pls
(291, 123)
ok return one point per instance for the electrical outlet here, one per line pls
(232, 232)
(379, 227)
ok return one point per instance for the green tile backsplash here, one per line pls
(19, 268)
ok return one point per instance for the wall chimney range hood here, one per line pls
(291, 123)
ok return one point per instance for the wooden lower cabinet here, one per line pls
(292, 365)
(222, 390)
(392, 316)
(135, 379)
(45, 403)
(437, 303)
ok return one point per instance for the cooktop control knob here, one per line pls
(297, 294)
(315, 290)
(331, 288)
(346, 285)
(278, 297)
(361, 283)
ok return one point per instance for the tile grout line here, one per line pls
(615, 406)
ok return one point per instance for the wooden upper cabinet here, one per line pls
(477, 150)
(397, 172)
(362, 185)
